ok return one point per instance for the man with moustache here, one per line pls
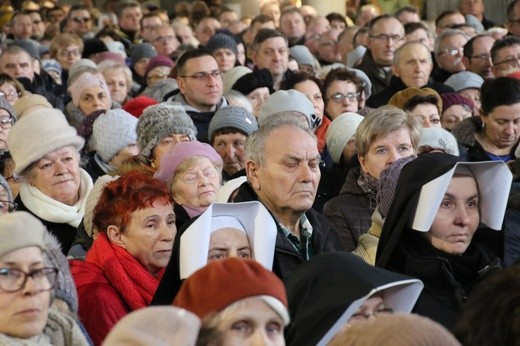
(448, 49)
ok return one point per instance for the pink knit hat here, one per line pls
(86, 80)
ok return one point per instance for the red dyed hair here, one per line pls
(131, 192)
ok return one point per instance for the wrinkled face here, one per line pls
(273, 55)
(473, 95)
(313, 93)
(165, 41)
(24, 313)
(117, 85)
(314, 33)
(79, 22)
(226, 59)
(21, 28)
(206, 28)
(130, 18)
(328, 47)
(9, 92)
(165, 145)
(231, 147)
(257, 98)
(414, 66)
(454, 115)
(57, 175)
(288, 179)
(458, 217)
(341, 97)
(68, 56)
(157, 74)
(4, 133)
(480, 61)
(228, 242)
(427, 115)
(197, 185)
(149, 236)
(94, 98)
(386, 149)
(123, 154)
(506, 59)
(451, 52)
(253, 322)
(372, 307)
(292, 25)
(201, 84)
(502, 126)
(150, 24)
(17, 65)
(387, 35)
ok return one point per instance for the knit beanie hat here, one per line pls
(79, 65)
(93, 46)
(464, 80)
(439, 139)
(30, 103)
(113, 131)
(141, 51)
(51, 65)
(302, 55)
(86, 80)
(221, 283)
(450, 99)
(159, 60)
(137, 105)
(340, 131)
(221, 40)
(159, 121)
(235, 117)
(287, 100)
(387, 183)
(92, 201)
(401, 98)
(412, 330)
(254, 80)
(64, 288)
(180, 152)
(49, 129)
(7, 106)
(140, 328)
(230, 77)
(20, 229)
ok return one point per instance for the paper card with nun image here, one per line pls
(493, 182)
(252, 217)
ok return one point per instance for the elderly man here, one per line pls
(411, 68)
(328, 49)
(385, 36)
(475, 8)
(449, 49)
(447, 20)
(165, 41)
(477, 55)
(271, 51)
(316, 27)
(282, 165)
(200, 88)
(293, 26)
(505, 55)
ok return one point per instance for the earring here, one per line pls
(483, 125)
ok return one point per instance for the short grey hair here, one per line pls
(446, 33)
(399, 51)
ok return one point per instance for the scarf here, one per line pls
(128, 277)
(50, 209)
(194, 211)
(105, 167)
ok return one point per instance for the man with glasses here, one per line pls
(149, 23)
(505, 55)
(316, 27)
(200, 89)
(477, 55)
(448, 49)
(385, 36)
(79, 22)
(165, 41)
(328, 48)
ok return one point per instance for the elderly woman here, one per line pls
(10, 88)
(159, 129)
(355, 292)
(242, 230)
(193, 172)
(136, 228)
(442, 245)
(54, 187)
(119, 80)
(383, 136)
(254, 306)
(343, 91)
(495, 133)
(455, 108)
(66, 49)
(26, 284)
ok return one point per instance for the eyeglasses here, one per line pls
(80, 20)
(7, 207)
(481, 57)
(12, 280)
(200, 76)
(379, 312)
(6, 122)
(10, 96)
(339, 97)
(163, 39)
(385, 38)
(329, 44)
(511, 61)
(69, 52)
(157, 76)
(452, 51)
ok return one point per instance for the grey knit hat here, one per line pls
(234, 117)
(387, 183)
(159, 121)
(113, 131)
(20, 229)
(141, 51)
(340, 131)
(439, 139)
(92, 201)
(221, 40)
(464, 80)
(49, 130)
(7, 106)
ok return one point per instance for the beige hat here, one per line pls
(30, 103)
(20, 229)
(230, 77)
(39, 133)
(340, 131)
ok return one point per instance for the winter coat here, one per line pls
(378, 76)
(367, 246)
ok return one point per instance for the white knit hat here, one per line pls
(38, 134)
(113, 131)
(230, 77)
(340, 131)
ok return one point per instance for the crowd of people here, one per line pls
(201, 178)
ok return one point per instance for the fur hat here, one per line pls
(234, 117)
(221, 283)
(340, 131)
(439, 139)
(450, 99)
(254, 80)
(141, 51)
(29, 103)
(230, 77)
(401, 98)
(387, 183)
(180, 152)
(86, 80)
(221, 40)
(93, 46)
(156, 61)
(137, 105)
(49, 130)
(464, 80)
(159, 121)
(113, 131)
(20, 229)
(288, 100)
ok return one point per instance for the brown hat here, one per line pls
(223, 282)
(401, 98)
(29, 103)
